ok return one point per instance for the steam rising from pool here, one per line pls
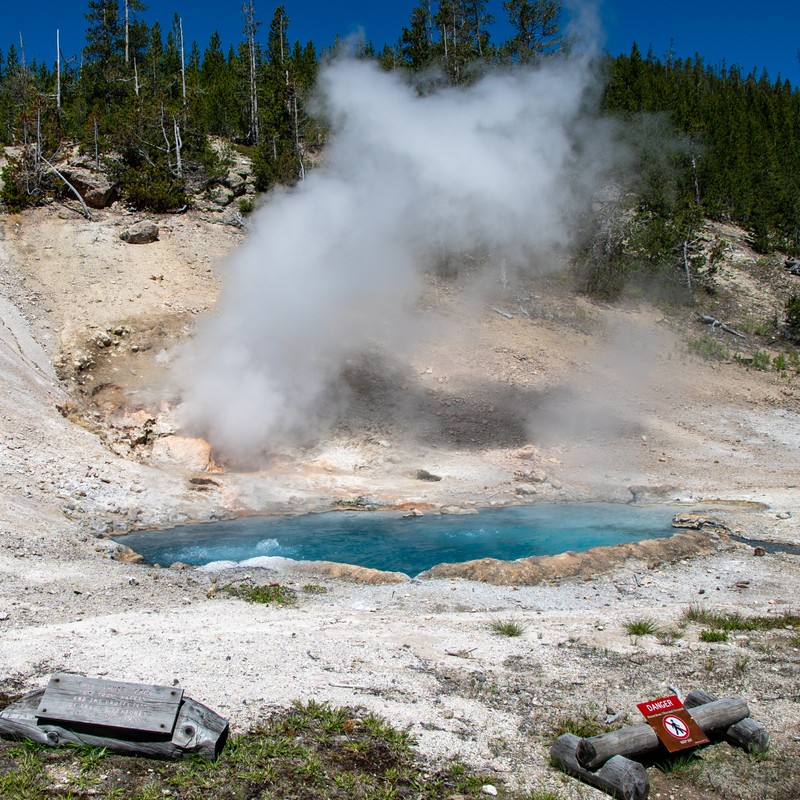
(388, 541)
(504, 167)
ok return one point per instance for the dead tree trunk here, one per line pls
(748, 734)
(183, 63)
(58, 70)
(619, 776)
(74, 191)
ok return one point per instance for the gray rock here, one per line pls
(235, 182)
(424, 475)
(526, 489)
(142, 232)
(95, 189)
(221, 196)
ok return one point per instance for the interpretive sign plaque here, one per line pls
(672, 723)
(110, 704)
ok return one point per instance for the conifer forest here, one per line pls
(145, 105)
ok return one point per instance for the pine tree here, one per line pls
(536, 28)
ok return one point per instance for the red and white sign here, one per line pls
(675, 727)
(672, 723)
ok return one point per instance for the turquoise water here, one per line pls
(385, 540)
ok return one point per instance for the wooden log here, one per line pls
(619, 776)
(638, 740)
(748, 734)
(198, 730)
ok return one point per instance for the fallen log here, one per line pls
(715, 323)
(747, 734)
(638, 740)
(197, 730)
(619, 776)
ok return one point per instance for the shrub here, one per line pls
(507, 627)
(271, 593)
(152, 187)
(708, 348)
(640, 627)
(792, 311)
(14, 194)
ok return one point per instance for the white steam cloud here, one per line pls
(503, 166)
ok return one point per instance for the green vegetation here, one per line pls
(507, 627)
(684, 764)
(668, 636)
(640, 627)
(312, 750)
(792, 312)
(272, 593)
(709, 348)
(732, 621)
(314, 588)
(713, 636)
(585, 724)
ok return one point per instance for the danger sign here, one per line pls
(672, 723)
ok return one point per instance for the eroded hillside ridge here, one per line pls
(525, 392)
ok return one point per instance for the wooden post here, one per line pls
(637, 740)
(619, 776)
(748, 734)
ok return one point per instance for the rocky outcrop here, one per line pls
(193, 454)
(142, 232)
(94, 187)
(598, 561)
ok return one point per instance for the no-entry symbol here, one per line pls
(672, 723)
(676, 727)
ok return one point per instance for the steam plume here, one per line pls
(503, 166)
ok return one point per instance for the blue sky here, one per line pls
(753, 36)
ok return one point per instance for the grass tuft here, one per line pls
(640, 627)
(713, 636)
(507, 627)
(668, 636)
(584, 725)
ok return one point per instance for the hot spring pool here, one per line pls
(386, 540)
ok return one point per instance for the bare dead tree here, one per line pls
(297, 146)
(178, 146)
(250, 29)
(86, 212)
(58, 71)
(127, 30)
(183, 62)
(694, 172)
(96, 144)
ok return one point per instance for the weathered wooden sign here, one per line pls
(672, 723)
(130, 718)
(110, 704)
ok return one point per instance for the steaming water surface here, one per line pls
(388, 541)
